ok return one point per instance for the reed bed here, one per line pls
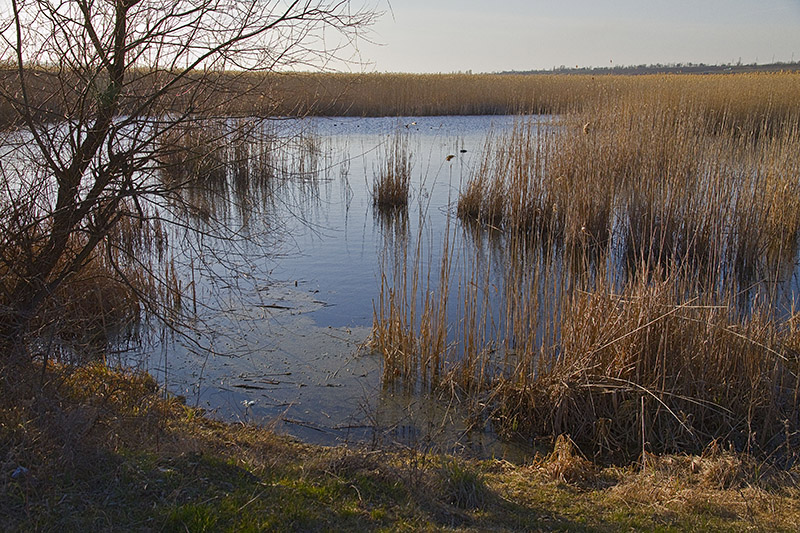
(743, 99)
(391, 185)
(650, 181)
(640, 299)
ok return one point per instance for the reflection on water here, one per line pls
(285, 296)
(285, 269)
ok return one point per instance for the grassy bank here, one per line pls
(92, 449)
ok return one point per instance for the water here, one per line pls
(285, 307)
(283, 276)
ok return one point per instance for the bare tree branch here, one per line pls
(98, 88)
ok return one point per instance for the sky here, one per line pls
(501, 35)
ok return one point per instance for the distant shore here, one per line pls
(671, 68)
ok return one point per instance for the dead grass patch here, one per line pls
(89, 463)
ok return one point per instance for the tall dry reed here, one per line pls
(390, 188)
(640, 303)
(736, 99)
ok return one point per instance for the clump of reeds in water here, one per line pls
(636, 307)
(390, 188)
(410, 318)
(508, 189)
(202, 162)
(651, 180)
(211, 151)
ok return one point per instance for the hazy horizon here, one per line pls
(448, 36)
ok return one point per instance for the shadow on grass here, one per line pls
(101, 452)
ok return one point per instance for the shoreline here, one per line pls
(116, 456)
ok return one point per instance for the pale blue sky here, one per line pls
(489, 36)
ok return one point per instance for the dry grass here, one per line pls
(675, 492)
(566, 465)
(87, 448)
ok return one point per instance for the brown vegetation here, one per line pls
(94, 449)
(641, 304)
(390, 186)
(743, 99)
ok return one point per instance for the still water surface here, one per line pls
(284, 309)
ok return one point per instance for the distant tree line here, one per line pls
(670, 68)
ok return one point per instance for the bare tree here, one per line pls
(91, 89)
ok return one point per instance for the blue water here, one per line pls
(285, 285)
(286, 277)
